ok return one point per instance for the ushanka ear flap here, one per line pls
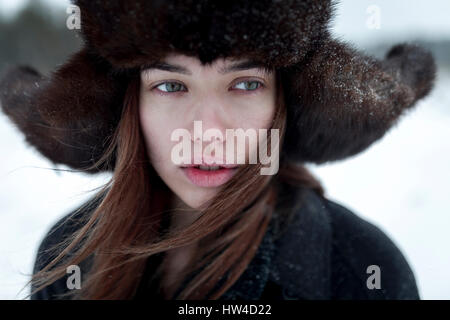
(68, 117)
(341, 101)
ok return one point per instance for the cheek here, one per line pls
(155, 134)
(266, 117)
(256, 114)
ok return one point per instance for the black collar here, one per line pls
(298, 260)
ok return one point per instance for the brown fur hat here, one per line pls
(339, 100)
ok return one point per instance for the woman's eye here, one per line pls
(174, 87)
(249, 85)
(170, 87)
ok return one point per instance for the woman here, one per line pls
(164, 228)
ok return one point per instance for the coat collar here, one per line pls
(298, 259)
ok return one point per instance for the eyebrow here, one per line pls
(239, 66)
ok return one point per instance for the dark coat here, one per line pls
(322, 253)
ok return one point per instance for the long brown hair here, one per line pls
(125, 229)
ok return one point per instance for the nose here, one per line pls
(209, 114)
(208, 125)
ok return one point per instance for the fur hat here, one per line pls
(338, 100)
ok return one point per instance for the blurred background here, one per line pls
(401, 183)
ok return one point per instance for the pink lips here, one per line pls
(229, 166)
(212, 178)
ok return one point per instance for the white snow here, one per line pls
(32, 198)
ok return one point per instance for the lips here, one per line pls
(211, 176)
(205, 166)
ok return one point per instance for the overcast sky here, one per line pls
(398, 18)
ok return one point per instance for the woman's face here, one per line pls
(179, 91)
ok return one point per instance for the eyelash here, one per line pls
(163, 93)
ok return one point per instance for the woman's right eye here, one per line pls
(169, 87)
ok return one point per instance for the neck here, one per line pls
(176, 260)
(181, 214)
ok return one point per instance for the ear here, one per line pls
(69, 116)
(341, 101)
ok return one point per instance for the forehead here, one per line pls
(189, 65)
(195, 62)
(180, 58)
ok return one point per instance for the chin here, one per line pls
(196, 196)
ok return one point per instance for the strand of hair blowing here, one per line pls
(124, 230)
(130, 201)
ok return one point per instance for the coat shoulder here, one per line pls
(327, 251)
(366, 263)
(48, 248)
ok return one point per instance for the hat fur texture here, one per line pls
(339, 101)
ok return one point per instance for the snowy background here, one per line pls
(401, 183)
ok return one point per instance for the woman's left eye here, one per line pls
(249, 85)
(169, 88)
